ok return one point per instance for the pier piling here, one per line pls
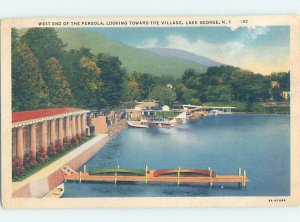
(244, 178)
(146, 173)
(178, 175)
(210, 177)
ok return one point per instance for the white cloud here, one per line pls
(262, 59)
(254, 33)
(258, 59)
(220, 52)
(149, 43)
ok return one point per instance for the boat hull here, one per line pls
(57, 192)
(137, 124)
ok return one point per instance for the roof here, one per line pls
(41, 113)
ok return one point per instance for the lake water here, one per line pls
(258, 143)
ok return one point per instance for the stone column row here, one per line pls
(75, 131)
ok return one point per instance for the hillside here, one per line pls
(133, 59)
(178, 53)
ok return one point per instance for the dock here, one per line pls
(178, 176)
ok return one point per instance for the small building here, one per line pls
(165, 108)
(286, 95)
(35, 130)
(275, 84)
(170, 86)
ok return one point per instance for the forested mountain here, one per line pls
(46, 73)
(178, 53)
(133, 59)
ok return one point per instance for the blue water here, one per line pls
(258, 143)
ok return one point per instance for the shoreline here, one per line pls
(253, 113)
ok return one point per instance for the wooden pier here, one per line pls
(150, 176)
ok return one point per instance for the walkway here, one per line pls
(48, 170)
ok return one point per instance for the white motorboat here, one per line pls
(138, 124)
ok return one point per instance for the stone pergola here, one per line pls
(36, 130)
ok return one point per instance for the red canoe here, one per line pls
(184, 172)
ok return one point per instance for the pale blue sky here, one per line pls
(260, 49)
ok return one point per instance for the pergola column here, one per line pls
(52, 133)
(60, 131)
(68, 127)
(83, 119)
(20, 144)
(44, 136)
(33, 140)
(78, 125)
(73, 127)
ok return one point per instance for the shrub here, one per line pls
(17, 167)
(59, 146)
(66, 142)
(51, 151)
(29, 160)
(78, 137)
(74, 141)
(41, 156)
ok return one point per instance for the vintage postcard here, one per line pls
(150, 112)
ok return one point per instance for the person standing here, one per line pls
(86, 130)
(92, 129)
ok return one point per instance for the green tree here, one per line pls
(60, 94)
(147, 82)
(277, 94)
(84, 78)
(283, 78)
(112, 78)
(89, 84)
(15, 61)
(163, 94)
(29, 89)
(44, 43)
(133, 87)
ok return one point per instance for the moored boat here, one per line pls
(138, 124)
(195, 116)
(57, 192)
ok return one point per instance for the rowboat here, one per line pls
(57, 192)
(184, 172)
(119, 171)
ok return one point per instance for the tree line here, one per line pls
(228, 83)
(46, 75)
